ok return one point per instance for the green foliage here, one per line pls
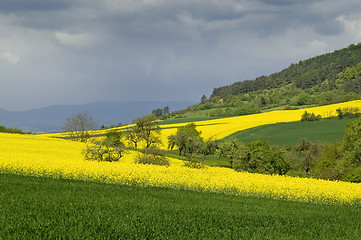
(354, 175)
(147, 129)
(326, 79)
(351, 143)
(204, 99)
(250, 108)
(306, 75)
(309, 152)
(152, 156)
(350, 112)
(110, 149)
(329, 164)
(310, 117)
(187, 139)
(133, 135)
(259, 157)
(230, 149)
(4, 129)
(302, 99)
(195, 160)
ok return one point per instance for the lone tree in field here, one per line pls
(148, 129)
(79, 125)
(109, 149)
(187, 139)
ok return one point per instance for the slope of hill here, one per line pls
(324, 131)
(326, 79)
(50, 119)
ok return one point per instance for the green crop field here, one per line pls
(45, 208)
(324, 131)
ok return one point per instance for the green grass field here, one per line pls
(44, 208)
(324, 131)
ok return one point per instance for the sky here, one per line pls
(79, 51)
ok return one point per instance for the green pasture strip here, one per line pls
(211, 160)
(45, 208)
(324, 131)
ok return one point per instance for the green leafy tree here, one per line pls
(187, 139)
(302, 99)
(260, 157)
(148, 129)
(166, 110)
(110, 149)
(330, 163)
(230, 149)
(157, 112)
(351, 143)
(309, 153)
(204, 99)
(133, 136)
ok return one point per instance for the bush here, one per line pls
(10, 130)
(102, 151)
(249, 108)
(152, 156)
(354, 175)
(310, 117)
(195, 161)
(260, 157)
(351, 112)
(329, 164)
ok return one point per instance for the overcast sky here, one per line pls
(80, 51)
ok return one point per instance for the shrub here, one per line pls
(152, 156)
(260, 157)
(10, 130)
(354, 175)
(102, 151)
(250, 108)
(329, 164)
(310, 117)
(110, 149)
(195, 161)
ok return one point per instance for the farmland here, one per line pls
(324, 131)
(49, 163)
(45, 208)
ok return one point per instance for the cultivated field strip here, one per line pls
(38, 155)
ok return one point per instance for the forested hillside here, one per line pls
(326, 79)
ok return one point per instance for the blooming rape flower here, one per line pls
(45, 156)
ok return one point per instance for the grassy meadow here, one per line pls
(45, 208)
(324, 131)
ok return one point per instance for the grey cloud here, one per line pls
(158, 50)
(33, 5)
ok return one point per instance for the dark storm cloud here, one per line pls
(33, 5)
(145, 49)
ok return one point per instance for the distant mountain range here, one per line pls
(50, 119)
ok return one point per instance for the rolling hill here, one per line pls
(330, 78)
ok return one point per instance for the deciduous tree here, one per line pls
(79, 125)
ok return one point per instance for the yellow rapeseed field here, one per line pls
(41, 155)
(223, 127)
(220, 128)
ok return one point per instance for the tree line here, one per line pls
(336, 161)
